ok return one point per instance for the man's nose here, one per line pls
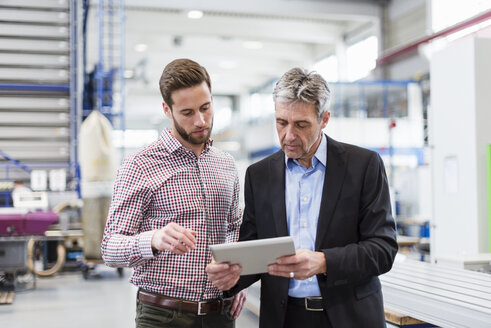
(289, 134)
(200, 119)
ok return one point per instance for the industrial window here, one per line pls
(361, 57)
(328, 68)
(445, 13)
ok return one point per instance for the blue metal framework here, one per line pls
(75, 116)
(107, 78)
(110, 65)
(362, 94)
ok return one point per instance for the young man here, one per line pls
(333, 198)
(171, 201)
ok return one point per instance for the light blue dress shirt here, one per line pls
(303, 196)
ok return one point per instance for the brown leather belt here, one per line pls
(198, 307)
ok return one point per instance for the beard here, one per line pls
(189, 137)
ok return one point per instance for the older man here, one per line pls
(333, 198)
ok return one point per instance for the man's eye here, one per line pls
(188, 114)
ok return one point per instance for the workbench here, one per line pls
(443, 296)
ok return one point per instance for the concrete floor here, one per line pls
(67, 300)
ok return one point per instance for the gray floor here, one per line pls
(67, 300)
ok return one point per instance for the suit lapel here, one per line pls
(277, 192)
(333, 181)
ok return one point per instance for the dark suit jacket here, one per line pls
(356, 232)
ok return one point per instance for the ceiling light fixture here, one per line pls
(252, 44)
(195, 14)
(141, 47)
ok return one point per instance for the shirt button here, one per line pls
(310, 279)
(304, 199)
(304, 225)
(209, 241)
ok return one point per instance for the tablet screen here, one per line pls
(253, 255)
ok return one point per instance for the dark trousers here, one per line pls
(150, 316)
(297, 316)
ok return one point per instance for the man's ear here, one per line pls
(325, 118)
(167, 109)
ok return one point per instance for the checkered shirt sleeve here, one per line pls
(166, 183)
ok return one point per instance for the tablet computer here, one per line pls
(253, 255)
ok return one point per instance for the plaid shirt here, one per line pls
(164, 183)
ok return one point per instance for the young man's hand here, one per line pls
(223, 275)
(239, 301)
(174, 238)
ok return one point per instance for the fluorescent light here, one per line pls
(129, 74)
(227, 64)
(252, 44)
(141, 47)
(195, 14)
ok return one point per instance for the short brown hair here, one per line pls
(180, 74)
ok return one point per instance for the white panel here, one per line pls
(34, 118)
(32, 144)
(424, 194)
(34, 30)
(35, 150)
(34, 45)
(39, 103)
(22, 15)
(58, 4)
(483, 136)
(459, 123)
(34, 74)
(8, 132)
(37, 59)
(40, 155)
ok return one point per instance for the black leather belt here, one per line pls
(311, 303)
(197, 307)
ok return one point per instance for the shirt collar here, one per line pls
(319, 156)
(171, 144)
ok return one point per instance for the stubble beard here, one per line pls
(195, 140)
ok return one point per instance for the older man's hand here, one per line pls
(303, 265)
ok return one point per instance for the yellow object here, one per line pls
(97, 154)
(60, 260)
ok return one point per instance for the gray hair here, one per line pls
(301, 85)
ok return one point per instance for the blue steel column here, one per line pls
(74, 103)
(99, 74)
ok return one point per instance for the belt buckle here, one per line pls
(312, 298)
(199, 307)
